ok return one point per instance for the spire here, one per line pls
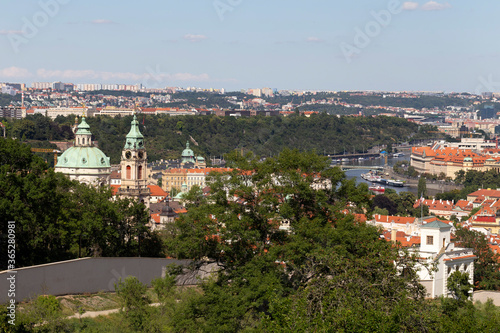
(83, 128)
(83, 136)
(134, 140)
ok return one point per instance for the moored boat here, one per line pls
(395, 183)
(377, 189)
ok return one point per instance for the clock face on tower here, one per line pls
(128, 154)
(141, 154)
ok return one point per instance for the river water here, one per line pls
(377, 162)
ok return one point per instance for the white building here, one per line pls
(60, 111)
(437, 251)
(41, 85)
(476, 144)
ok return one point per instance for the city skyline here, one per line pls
(236, 44)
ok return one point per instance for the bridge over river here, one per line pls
(358, 167)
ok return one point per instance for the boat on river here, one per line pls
(377, 189)
(395, 183)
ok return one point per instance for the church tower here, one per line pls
(134, 166)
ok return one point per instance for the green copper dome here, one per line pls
(83, 157)
(134, 140)
(83, 154)
(187, 154)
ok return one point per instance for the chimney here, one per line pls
(393, 235)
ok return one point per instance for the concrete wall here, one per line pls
(86, 275)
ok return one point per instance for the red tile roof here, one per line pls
(155, 218)
(462, 257)
(156, 191)
(395, 219)
(488, 219)
(116, 175)
(463, 205)
(114, 188)
(486, 193)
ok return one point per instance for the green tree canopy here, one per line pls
(487, 265)
(323, 271)
(58, 219)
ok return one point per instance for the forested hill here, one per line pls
(166, 136)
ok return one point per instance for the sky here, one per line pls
(334, 45)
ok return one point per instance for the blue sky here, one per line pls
(237, 44)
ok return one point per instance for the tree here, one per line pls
(134, 303)
(389, 148)
(44, 314)
(382, 201)
(460, 176)
(412, 172)
(327, 267)
(459, 286)
(195, 197)
(487, 265)
(422, 187)
(59, 219)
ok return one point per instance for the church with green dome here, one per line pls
(84, 162)
(189, 159)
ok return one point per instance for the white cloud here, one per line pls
(433, 5)
(410, 5)
(314, 40)
(11, 32)
(101, 21)
(14, 72)
(194, 38)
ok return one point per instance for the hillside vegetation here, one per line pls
(166, 136)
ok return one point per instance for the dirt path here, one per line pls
(93, 314)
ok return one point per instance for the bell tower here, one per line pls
(134, 166)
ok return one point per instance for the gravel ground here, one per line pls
(483, 296)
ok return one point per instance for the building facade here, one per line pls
(440, 159)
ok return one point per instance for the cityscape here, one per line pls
(227, 166)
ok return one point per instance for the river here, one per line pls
(377, 162)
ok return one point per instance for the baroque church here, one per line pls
(134, 166)
(88, 164)
(84, 162)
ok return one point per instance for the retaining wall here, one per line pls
(86, 275)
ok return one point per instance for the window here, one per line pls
(430, 240)
(129, 170)
(139, 172)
